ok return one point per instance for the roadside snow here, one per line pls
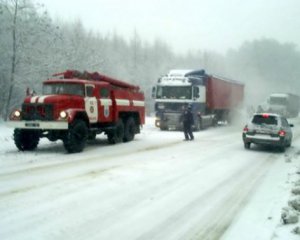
(261, 217)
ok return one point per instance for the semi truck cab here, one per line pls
(173, 92)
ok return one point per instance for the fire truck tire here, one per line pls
(92, 136)
(26, 139)
(76, 136)
(117, 135)
(129, 130)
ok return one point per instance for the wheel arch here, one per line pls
(80, 115)
(134, 115)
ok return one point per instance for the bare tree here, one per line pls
(13, 7)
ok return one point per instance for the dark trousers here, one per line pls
(188, 133)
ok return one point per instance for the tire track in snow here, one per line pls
(210, 224)
(84, 160)
(180, 179)
(81, 163)
(85, 164)
(28, 173)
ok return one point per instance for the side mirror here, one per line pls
(291, 125)
(153, 92)
(30, 92)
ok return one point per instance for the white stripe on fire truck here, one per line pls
(138, 103)
(123, 102)
(41, 99)
(33, 99)
(106, 102)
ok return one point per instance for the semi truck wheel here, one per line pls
(26, 139)
(117, 135)
(129, 130)
(198, 125)
(76, 137)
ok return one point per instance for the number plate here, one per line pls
(32, 124)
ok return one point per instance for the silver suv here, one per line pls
(268, 129)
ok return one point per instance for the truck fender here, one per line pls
(76, 113)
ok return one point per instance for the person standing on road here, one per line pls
(188, 122)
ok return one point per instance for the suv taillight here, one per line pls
(281, 133)
(246, 129)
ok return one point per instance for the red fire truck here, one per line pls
(76, 106)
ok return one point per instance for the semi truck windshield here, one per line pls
(278, 101)
(174, 92)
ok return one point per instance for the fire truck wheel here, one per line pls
(129, 130)
(26, 139)
(76, 137)
(92, 136)
(117, 135)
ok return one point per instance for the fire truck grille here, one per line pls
(42, 112)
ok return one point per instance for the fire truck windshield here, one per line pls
(174, 92)
(63, 89)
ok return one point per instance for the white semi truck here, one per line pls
(212, 98)
(286, 104)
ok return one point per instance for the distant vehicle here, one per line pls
(212, 98)
(285, 104)
(268, 129)
(74, 107)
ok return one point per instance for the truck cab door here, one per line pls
(105, 105)
(90, 102)
(199, 94)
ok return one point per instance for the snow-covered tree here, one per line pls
(23, 41)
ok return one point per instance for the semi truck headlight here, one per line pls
(157, 122)
(161, 106)
(63, 114)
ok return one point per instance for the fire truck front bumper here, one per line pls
(51, 125)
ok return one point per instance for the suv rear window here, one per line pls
(262, 119)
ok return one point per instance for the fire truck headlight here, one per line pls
(15, 115)
(63, 114)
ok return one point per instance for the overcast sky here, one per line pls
(187, 24)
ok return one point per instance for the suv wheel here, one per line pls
(247, 145)
(282, 148)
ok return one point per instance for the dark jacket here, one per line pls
(187, 117)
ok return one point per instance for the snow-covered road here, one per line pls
(156, 187)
